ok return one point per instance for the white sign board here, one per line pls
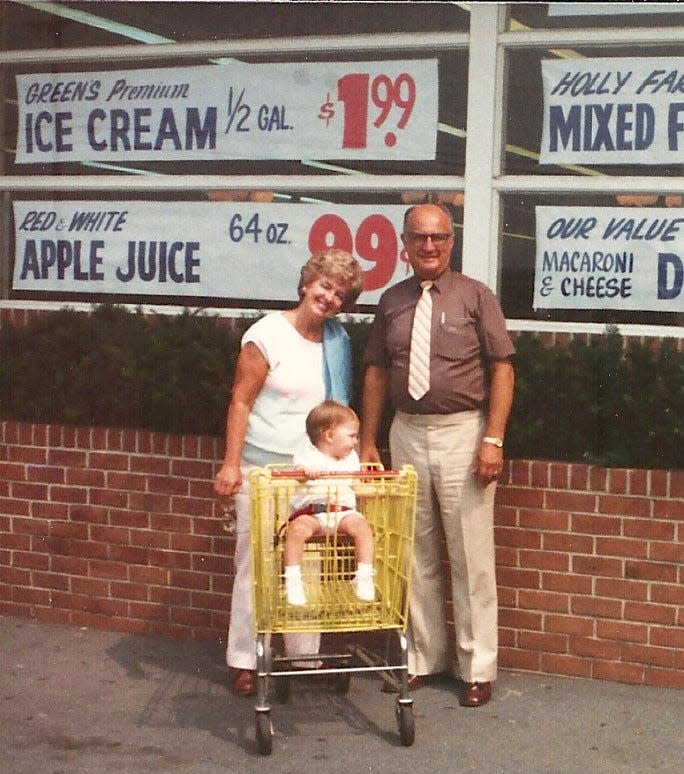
(609, 258)
(208, 249)
(613, 111)
(321, 110)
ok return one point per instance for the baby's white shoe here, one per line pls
(364, 587)
(294, 591)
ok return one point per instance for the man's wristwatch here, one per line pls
(498, 442)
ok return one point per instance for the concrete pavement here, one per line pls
(80, 700)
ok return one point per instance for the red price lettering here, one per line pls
(353, 91)
(375, 241)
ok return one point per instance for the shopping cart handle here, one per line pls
(299, 473)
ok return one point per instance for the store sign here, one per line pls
(613, 111)
(208, 249)
(611, 9)
(609, 258)
(323, 110)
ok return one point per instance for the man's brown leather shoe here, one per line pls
(475, 694)
(414, 682)
(242, 682)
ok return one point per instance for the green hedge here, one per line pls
(600, 403)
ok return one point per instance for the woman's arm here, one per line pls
(251, 370)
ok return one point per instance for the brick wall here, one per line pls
(119, 529)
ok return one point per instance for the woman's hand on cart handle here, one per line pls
(228, 480)
(369, 453)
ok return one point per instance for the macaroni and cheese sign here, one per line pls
(613, 111)
(209, 249)
(323, 110)
(609, 258)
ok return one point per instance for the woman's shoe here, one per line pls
(242, 682)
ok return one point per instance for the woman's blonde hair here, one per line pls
(326, 416)
(338, 265)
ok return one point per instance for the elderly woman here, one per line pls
(289, 362)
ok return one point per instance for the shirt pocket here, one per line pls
(456, 339)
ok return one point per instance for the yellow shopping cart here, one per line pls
(387, 499)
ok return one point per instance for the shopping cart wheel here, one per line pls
(282, 689)
(264, 732)
(406, 723)
(342, 683)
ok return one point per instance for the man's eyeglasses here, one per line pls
(437, 239)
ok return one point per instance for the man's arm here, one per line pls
(490, 461)
(375, 382)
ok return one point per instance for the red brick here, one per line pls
(667, 552)
(510, 658)
(193, 506)
(650, 571)
(148, 611)
(621, 547)
(621, 589)
(505, 536)
(543, 641)
(642, 611)
(157, 465)
(677, 484)
(19, 542)
(515, 578)
(170, 559)
(666, 637)
(92, 587)
(618, 481)
(544, 560)
(598, 479)
(131, 482)
(108, 498)
(13, 471)
(597, 607)
(522, 498)
(559, 475)
(625, 506)
(208, 563)
(642, 654)
(28, 454)
(129, 518)
(569, 624)
(136, 591)
(28, 491)
(570, 584)
(648, 528)
(111, 570)
(570, 501)
(186, 617)
(544, 519)
(668, 594)
(659, 483)
(11, 507)
(192, 469)
(85, 477)
(26, 596)
(618, 672)
(108, 461)
(558, 664)
(129, 554)
(544, 601)
(170, 596)
(146, 538)
(579, 477)
(213, 601)
(622, 630)
(638, 482)
(595, 648)
(572, 544)
(145, 501)
(668, 509)
(539, 475)
(597, 565)
(595, 525)
(170, 522)
(505, 556)
(68, 494)
(665, 678)
(71, 565)
(184, 542)
(30, 561)
(151, 575)
(50, 580)
(45, 474)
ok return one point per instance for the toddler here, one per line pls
(328, 505)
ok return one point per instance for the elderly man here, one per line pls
(439, 350)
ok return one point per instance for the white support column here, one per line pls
(483, 144)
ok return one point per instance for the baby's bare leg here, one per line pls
(359, 529)
(299, 530)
